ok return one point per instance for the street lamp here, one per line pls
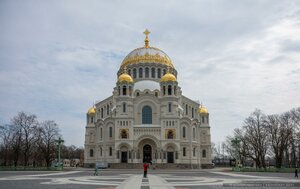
(59, 142)
(236, 143)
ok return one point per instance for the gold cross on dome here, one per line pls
(146, 32)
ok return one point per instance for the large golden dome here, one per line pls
(168, 77)
(147, 54)
(92, 111)
(125, 78)
(202, 110)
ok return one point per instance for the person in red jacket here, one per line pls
(146, 165)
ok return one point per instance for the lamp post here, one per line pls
(59, 142)
(236, 143)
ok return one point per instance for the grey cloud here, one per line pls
(291, 46)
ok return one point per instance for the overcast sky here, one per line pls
(58, 57)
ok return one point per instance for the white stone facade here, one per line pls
(147, 120)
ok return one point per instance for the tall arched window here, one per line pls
(134, 73)
(158, 73)
(124, 107)
(192, 112)
(140, 72)
(153, 72)
(164, 90)
(146, 115)
(169, 90)
(124, 90)
(110, 132)
(91, 153)
(186, 110)
(170, 107)
(129, 72)
(107, 109)
(110, 151)
(194, 133)
(203, 153)
(101, 112)
(147, 72)
(183, 132)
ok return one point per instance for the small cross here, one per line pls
(147, 32)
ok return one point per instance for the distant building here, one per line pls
(147, 118)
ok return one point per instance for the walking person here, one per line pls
(96, 171)
(146, 165)
(296, 172)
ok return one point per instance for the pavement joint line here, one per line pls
(156, 182)
(133, 182)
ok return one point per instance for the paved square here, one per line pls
(157, 179)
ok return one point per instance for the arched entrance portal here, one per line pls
(147, 153)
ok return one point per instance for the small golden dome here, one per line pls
(92, 111)
(125, 77)
(168, 77)
(202, 110)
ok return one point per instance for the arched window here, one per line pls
(146, 115)
(140, 72)
(169, 90)
(100, 132)
(91, 153)
(158, 73)
(170, 135)
(194, 133)
(101, 112)
(186, 110)
(124, 90)
(110, 132)
(92, 119)
(110, 151)
(170, 107)
(147, 72)
(184, 151)
(129, 72)
(192, 112)
(107, 109)
(183, 132)
(202, 119)
(134, 73)
(124, 107)
(203, 153)
(153, 72)
(164, 90)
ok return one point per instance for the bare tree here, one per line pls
(279, 136)
(26, 124)
(49, 132)
(256, 137)
(5, 144)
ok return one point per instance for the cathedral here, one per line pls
(147, 119)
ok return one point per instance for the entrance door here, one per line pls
(170, 157)
(124, 157)
(147, 151)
